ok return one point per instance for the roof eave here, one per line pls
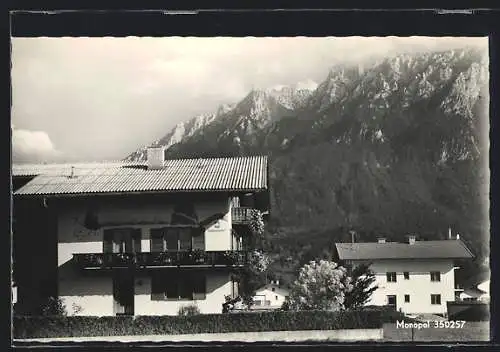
(402, 258)
(88, 194)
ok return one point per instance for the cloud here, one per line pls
(32, 146)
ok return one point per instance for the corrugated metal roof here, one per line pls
(215, 174)
(394, 250)
(58, 169)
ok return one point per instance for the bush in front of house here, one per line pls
(75, 326)
(388, 314)
(188, 310)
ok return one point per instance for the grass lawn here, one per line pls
(472, 331)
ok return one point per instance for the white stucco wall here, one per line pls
(89, 295)
(419, 286)
(276, 297)
(73, 237)
(93, 294)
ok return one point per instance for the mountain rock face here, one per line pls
(232, 123)
(394, 148)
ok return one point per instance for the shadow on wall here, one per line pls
(214, 279)
(75, 282)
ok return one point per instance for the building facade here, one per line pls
(144, 239)
(417, 277)
(269, 297)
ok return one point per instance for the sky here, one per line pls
(89, 99)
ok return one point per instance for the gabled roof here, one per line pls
(214, 174)
(280, 289)
(447, 249)
(65, 168)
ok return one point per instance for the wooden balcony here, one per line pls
(241, 215)
(174, 259)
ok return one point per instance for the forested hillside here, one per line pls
(390, 149)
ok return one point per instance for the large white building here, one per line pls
(135, 239)
(417, 277)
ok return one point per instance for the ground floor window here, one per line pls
(391, 300)
(178, 286)
(407, 298)
(435, 299)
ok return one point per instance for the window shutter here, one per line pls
(185, 239)
(171, 238)
(171, 284)
(157, 240)
(127, 240)
(199, 239)
(199, 287)
(157, 288)
(136, 238)
(108, 241)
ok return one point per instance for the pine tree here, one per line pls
(362, 287)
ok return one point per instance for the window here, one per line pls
(267, 303)
(177, 239)
(406, 275)
(122, 240)
(435, 299)
(391, 300)
(257, 303)
(273, 289)
(407, 298)
(435, 276)
(167, 286)
(276, 297)
(287, 297)
(391, 277)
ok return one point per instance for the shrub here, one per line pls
(73, 326)
(188, 310)
(320, 285)
(54, 306)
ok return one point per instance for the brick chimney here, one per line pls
(156, 158)
(412, 239)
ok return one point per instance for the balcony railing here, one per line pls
(241, 215)
(161, 259)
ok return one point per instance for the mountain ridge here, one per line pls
(395, 147)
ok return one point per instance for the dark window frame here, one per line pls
(436, 299)
(435, 276)
(388, 300)
(407, 298)
(164, 232)
(178, 287)
(406, 275)
(391, 276)
(114, 242)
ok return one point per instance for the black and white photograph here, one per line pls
(250, 189)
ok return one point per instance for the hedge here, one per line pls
(77, 326)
